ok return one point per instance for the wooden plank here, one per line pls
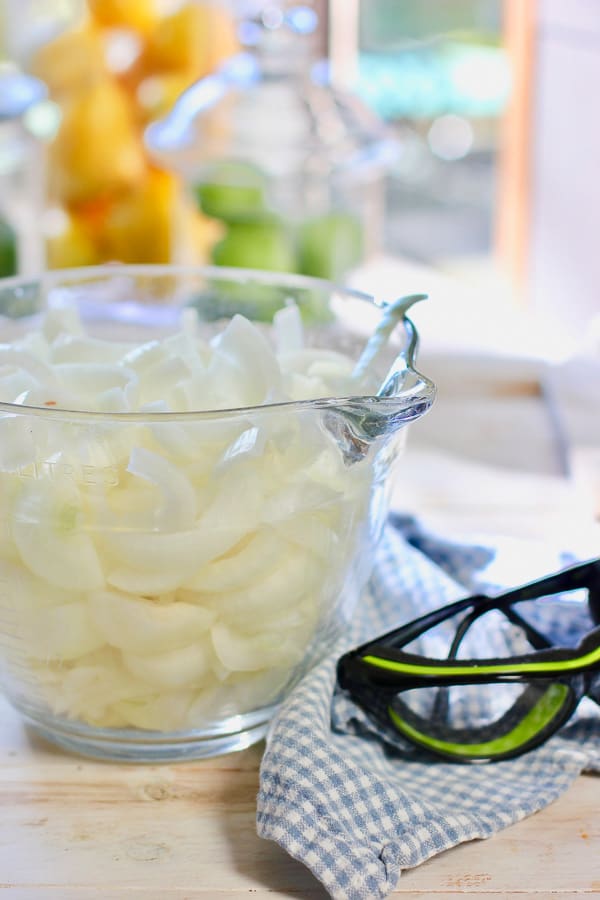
(79, 829)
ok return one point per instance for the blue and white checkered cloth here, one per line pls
(355, 803)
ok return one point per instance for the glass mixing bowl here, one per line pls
(168, 576)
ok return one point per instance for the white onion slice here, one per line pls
(21, 440)
(33, 365)
(291, 578)
(92, 687)
(46, 527)
(161, 711)
(142, 626)
(144, 356)
(62, 632)
(244, 362)
(184, 667)
(93, 378)
(230, 572)
(250, 653)
(178, 509)
(69, 348)
(289, 333)
(61, 318)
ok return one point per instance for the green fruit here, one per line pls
(8, 250)
(232, 191)
(256, 245)
(330, 245)
(260, 302)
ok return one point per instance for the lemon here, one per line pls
(138, 15)
(70, 61)
(97, 149)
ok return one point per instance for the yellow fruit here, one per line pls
(139, 15)
(97, 150)
(72, 246)
(196, 234)
(194, 39)
(70, 61)
(140, 226)
(156, 94)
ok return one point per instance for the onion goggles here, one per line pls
(479, 710)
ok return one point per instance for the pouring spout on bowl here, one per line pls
(404, 393)
(393, 314)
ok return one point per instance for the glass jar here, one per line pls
(21, 176)
(291, 167)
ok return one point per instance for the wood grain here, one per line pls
(79, 829)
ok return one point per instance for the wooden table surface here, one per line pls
(73, 829)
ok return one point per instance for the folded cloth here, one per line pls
(354, 802)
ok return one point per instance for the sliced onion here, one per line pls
(92, 687)
(244, 363)
(47, 531)
(93, 378)
(251, 653)
(21, 442)
(189, 583)
(14, 382)
(37, 368)
(176, 557)
(185, 667)
(289, 333)
(311, 533)
(141, 626)
(156, 382)
(243, 565)
(161, 711)
(61, 318)
(144, 356)
(178, 509)
(291, 578)
(69, 348)
(62, 632)
(299, 498)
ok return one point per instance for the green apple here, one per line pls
(232, 191)
(256, 245)
(8, 250)
(330, 245)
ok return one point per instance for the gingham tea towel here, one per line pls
(355, 803)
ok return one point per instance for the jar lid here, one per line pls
(272, 106)
(18, 92)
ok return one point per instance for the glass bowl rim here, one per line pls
(424, 391)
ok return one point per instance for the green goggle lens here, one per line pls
(471, 728)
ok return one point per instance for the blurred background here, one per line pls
(445, 146)
(314, 137)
